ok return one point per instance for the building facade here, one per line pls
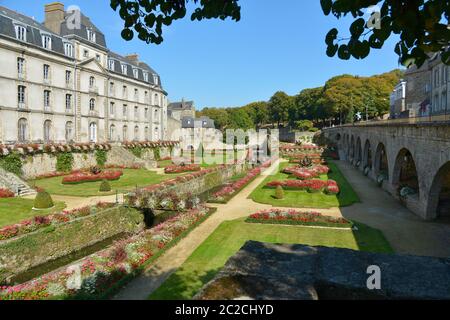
(60, 83)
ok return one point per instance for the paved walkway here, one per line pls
(406, 233)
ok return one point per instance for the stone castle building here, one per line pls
(60, 83)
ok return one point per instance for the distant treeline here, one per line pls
(338, 101)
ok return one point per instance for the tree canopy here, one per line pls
(421, 24)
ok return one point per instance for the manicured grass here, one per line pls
(230, 236)
(14, 210)
(164, 163)
(303, 199)
(130, 179)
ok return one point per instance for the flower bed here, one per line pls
(312, 186)
(107, 270)
(81, 177)
(182, 168)
(307, 173)
(292, 217)
(5, 193)
(35, 148)
(30, 225)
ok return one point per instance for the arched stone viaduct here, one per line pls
(413, 156)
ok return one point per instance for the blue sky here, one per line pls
(224, 63)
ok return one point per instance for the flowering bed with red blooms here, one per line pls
(103, 272)
(81, 177)
(293, 217)
(30, 225)
(313, 185)
(307, 173)
(5, 193)
(181, 169)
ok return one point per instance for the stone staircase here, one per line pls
(15, 184)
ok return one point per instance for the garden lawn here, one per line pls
(14, 210)
(130, 179)
(230, 236)
(303, 199)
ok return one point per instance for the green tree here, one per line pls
(279, 106)
(258, 111)
(421, 25)
(239, 119)
(219, 115)
(304, 125)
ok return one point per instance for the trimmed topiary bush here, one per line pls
(43, 200)
(105, 186)
(279, 193)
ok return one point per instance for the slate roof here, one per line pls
(34, 30)
(183, 105)
(34, 37)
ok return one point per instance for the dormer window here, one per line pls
(21, 33)
(47, 42)
(124, 69)
(111, 64)
(155, 79)
(145, 76)
(68, 49)
(135, 73)
(91, 35)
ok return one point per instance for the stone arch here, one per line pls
(367, 156)
(358, 155)
(405, 171)
(352, 148)
(338, 137)
(438, 205)
(381, 164)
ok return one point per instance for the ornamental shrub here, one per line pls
(105, 186)
(64, 162)
(101, 157)
(279, 193)
(137, 152)
(12, 163)
(157, 153)
(43, 200)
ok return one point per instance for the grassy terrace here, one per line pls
(303, 199)
(129, 180)
(14, 210)
(230, 236)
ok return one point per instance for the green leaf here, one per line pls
(357, 27)
(326, 6)
(127, 34)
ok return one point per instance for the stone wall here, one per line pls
(45, 163)
(24, 252)
(261, 271)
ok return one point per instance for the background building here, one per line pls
(59, 82)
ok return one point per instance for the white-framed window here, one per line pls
(46, 71)
(111, 88)
(146, 96)
(21, 67)
(68, 49)
(155, 79)
(136, 133)
(146, 76)
(47, 42)
(146, 113)
(47, 130)
(21, 90)
(135, 73)
(91, 35)
(91, 82)
(69, 131)
(125, 133)
(112, 132)
(111, 64)
(98, 57)
(92, 104)
(86, 53)
(136, 94)
(93, 132)
(22, 130)
(68, 76)
(124, 69)
(146, 133)
(112, 109)
(21, 32)
(68, 102)
(47, 94)
(136, 112)
(124, 92)
(125, 111)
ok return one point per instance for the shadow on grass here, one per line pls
(347, 195)
(183, 285)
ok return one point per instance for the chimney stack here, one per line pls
(133, 58)
(54, 16)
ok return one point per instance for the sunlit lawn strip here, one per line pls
(230, 236)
